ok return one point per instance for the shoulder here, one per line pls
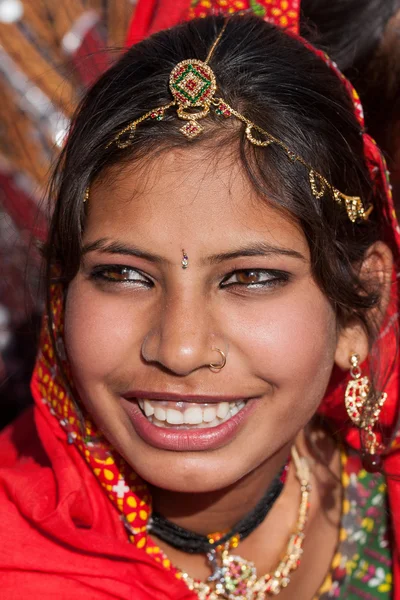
(24, 469)
(60, 537)
(42, 531)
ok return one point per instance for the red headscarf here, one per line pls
(65, 507)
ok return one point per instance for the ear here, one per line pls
(376, 273)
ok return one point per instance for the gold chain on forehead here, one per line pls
(193, 85)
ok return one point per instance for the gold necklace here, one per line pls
(234, 578)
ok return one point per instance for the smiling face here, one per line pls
(141, 331)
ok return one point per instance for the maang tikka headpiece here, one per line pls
(193, 86)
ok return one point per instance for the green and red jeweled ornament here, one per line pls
(193, 85)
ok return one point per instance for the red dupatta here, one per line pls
(109, 492)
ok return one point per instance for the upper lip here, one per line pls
(174, 397)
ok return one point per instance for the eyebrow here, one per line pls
(259, 249)
(105, 246)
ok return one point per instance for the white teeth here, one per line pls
(234, 408)
(159, 413)
(174, 417)
(148, 408)
(209, 414)
(193, 415)
(181, 414)
(223, 409)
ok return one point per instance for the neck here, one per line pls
(219, 510)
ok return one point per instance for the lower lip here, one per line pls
(187, 440)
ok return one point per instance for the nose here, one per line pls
(184, 339)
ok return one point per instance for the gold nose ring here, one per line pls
(218, 366)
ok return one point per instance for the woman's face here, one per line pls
(141, 331)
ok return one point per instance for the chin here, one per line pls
(186, 473)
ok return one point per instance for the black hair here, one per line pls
(277, 83)
(350, 29)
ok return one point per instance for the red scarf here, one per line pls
(72, 519)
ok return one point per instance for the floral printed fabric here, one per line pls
(362, 565)
(284, 13)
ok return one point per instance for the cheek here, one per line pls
(100, 333)
(290, 341)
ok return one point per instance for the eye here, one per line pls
(120, 274)
(253, 278)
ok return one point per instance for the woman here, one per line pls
(219, 349)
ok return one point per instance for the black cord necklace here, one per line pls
(195, 543)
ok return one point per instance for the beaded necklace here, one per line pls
(234, 578)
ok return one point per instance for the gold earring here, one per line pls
(364, 414)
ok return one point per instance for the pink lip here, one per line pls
(173, 397)
(187, 440)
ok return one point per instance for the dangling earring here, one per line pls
(364, 414)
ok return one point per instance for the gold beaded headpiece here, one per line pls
(193, 86)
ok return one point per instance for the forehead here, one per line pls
(185, 194)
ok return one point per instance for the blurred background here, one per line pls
(50, 52)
